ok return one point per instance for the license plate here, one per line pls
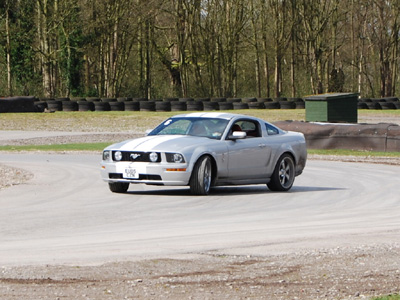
(131, 173)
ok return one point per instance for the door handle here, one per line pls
(262, 145)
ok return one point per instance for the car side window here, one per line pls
(271, 130)
(249, 126)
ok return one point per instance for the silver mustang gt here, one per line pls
(204, 150)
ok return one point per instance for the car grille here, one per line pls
(141, 176)
(136, 156)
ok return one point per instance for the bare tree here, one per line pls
(383, 33)
(316, 16)
(8, 47)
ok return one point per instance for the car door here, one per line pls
(248, 157)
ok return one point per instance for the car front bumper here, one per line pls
(148, 173)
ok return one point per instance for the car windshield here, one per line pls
(204, 127)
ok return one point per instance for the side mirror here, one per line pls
(237, 135)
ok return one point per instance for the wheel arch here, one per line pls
(291, 154)
(214, 166)
(298, 159)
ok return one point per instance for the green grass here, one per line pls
(352, 152)
(390, 297)
(57, 147)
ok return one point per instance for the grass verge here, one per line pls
(390, 297)
(57, 147)
(345, 152)
(101, 146)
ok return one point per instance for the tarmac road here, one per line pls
(67, 215)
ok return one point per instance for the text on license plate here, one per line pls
(131, 173)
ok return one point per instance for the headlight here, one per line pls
(153, 157)
(118, 155)
(175, 158)
(106, 155)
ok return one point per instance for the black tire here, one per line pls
(249, 100)
(147, 105)
(362, 105)
(85, 106)
(118, 187)
(132, 106)
(200, 182)
(185, 99)
(272, 105)
(256, 105)
(93, 99)
(117, 106)
(54, 105)
(178, 106)
(234, 100)
(387, 105)
(284, 173)
(69, 106)
(287, 104)
(108, 100)
(240, 105)
(163, 106)
(102, 106)
(40, 106)
(263, 100)
(374, 105)
(225, 105)
(300, 105)
(218, 99)
(195, 106)
(210, 106)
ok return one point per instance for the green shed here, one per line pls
(332, 107)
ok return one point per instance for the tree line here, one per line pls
(198, 48)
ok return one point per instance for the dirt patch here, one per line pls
(12, 176)
(340, 273)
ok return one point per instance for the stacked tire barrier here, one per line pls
(166, 104)
(379, 103)
(32, 104)
(382, 137)
(17, 104)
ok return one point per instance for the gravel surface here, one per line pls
(337, 273)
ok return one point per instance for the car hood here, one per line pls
(175, 143)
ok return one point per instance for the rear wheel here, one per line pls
(200, 182)
(118, 187)
(283, 177)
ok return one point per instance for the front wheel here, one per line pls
(283, 177)
(200, 182)
(118, 187)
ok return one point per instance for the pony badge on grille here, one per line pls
(134, 156)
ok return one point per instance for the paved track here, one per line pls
(66, 214)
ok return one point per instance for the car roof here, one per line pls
(227, 116)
